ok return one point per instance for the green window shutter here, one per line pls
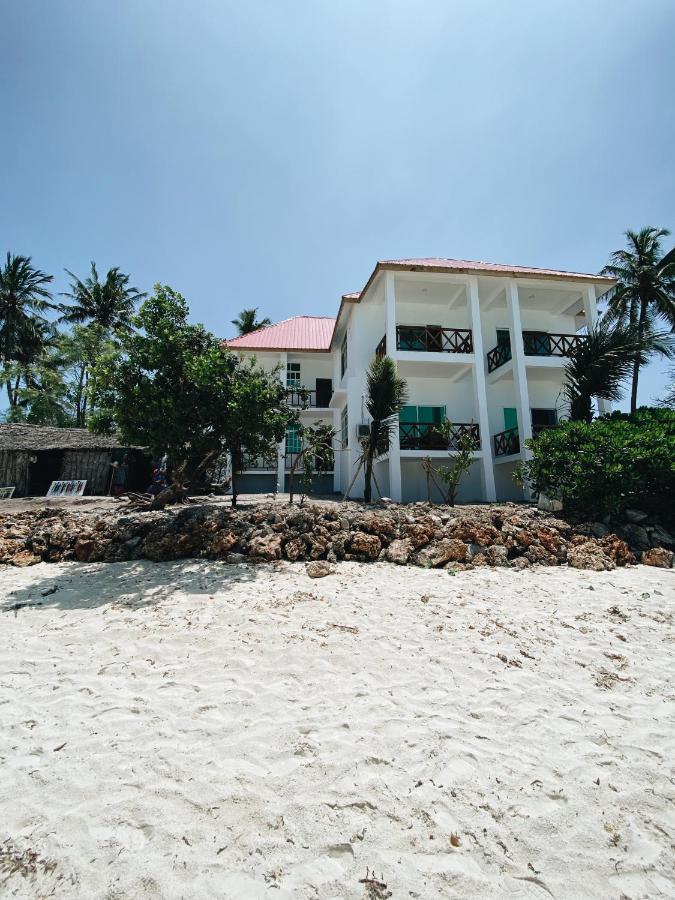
(510, 418)
(408, 414)
(293, 443)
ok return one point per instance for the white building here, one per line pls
(480, 344)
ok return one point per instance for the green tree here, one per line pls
(109, 304)
(316, 456)
(645, 293)
(171, 387)
(463, 448)
(600, 363)
(246, 321)
(386, 393)
(24, 300)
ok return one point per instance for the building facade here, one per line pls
(481, 345)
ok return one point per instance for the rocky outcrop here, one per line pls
(323, 533)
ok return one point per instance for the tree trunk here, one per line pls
(644, 307)
(368, 469)
(291, 476)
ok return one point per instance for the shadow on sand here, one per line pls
(135, 584)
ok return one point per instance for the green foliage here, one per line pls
(24, 299)
(172, 387)
(460, 461)
(386, 393)
(316, 456)
(246, 321)
(606, 465)
(109, 304)
(644, 295)
(600, 363)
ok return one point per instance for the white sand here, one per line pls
(200, 730)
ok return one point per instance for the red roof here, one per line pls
(470, 265)
(308, 333)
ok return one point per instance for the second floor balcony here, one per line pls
(426, 436)
(430, 339)
(311, 398)
(535, 343)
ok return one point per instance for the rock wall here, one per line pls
(459, 538)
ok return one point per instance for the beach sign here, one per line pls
(66, 489)
(6, 493)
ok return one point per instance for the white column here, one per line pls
(390, 313)
(281, 447)
(480, 393)
(519, 368)
(395, 491)
(590, 318)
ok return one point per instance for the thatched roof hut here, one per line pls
(32, 456)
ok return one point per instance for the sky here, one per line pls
(268, 152)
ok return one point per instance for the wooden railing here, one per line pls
(424, 436)
(506, 442)
(538, 344)
(381, 349)
(261, 463)
(498, 356)
(431, 339)
(306, 398)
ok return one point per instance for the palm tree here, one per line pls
(24, 298)
(605, 359)
(386, 393)
(645, 293)
(108, 304)
(246, 322)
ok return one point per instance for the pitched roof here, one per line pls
(302, 333)
(469, 265)
(47, 437)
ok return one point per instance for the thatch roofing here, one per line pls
(47, 437)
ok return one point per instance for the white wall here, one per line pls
(414, 483)
(456, 396)
(507, 489)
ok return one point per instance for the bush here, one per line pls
(607, 465)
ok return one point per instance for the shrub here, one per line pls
(607, 465)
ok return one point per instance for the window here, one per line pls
(293, 375)
(293, 442)
(344, 426)
(343, 356)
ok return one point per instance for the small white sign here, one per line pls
(65, 489)
(6, 493)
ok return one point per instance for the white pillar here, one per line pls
(590, 318)
(523, 411)
(395, 491)
(480, 393)
(281, 447)
(519, 368)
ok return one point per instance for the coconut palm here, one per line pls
(246, 321)
(108, 304)
(386, 393)
(24, 299)
(645, 293)
(605, 359)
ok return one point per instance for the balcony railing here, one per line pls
(381, 349)
(305, 398)
(498, 356)
(260, 463)
(432, 339)
(536, 343)
(507, 442)
(424, 436)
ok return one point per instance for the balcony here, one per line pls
(424, 436)
(536, 343)
(306, 398)
(269, 463)
(508, 442)
(429, 339)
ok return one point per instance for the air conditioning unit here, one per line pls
(362, 431)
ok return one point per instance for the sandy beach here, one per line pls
(194, 729)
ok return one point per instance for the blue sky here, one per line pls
(268, 153)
